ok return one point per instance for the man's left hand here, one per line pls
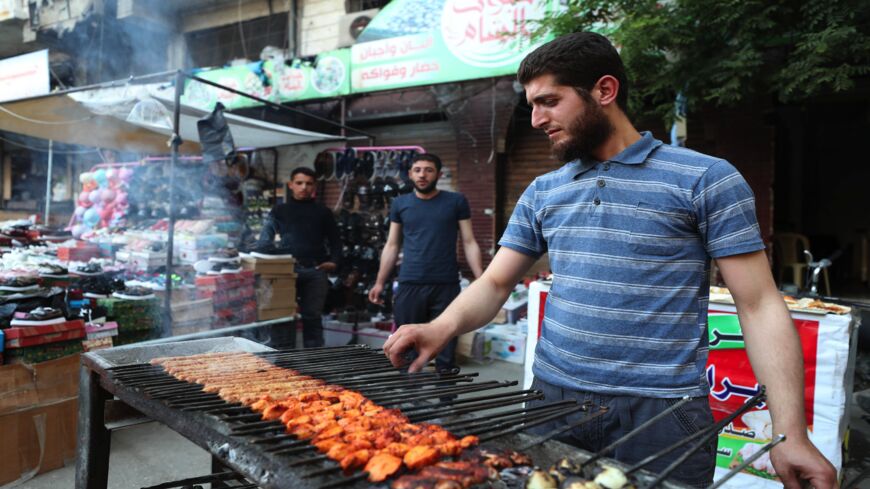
(797, 460)
(327, 266)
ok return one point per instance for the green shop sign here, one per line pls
(724, 332)
(328, 76)
(421, 42)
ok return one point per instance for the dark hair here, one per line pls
(428, 157)
(303, 170)
(577, 60)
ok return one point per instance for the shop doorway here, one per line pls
(821, 188)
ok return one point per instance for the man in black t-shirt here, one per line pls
(305, 227)
(424, 225)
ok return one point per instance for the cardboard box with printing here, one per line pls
(272, 266)
(38, 411)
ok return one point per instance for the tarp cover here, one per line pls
(134, 118)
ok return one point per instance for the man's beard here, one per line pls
(586, 133)
(428, 189)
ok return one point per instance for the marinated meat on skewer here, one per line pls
(340, 423)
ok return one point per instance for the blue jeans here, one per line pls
(416, 303)
(627, 412)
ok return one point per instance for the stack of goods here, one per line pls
(363, 235)
(196, 240)
(18, 233)
(225, 261)
(232, 296)
(79, 251)
(192, 316)
(49, 234)
(54, 275)
(99, 335)
(276, 284)
(143, 255)
(138, 319)
(149, 191)
(258, 204)
(42, 334)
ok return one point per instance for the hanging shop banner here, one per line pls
(421, 42)
(825, 341)
(328, 76)
(24, 76)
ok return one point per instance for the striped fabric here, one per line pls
(629, 242)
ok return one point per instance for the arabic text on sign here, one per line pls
(390, 48)
(486, 24)
(728, 388)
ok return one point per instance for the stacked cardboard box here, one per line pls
(33, 344)
(138, 320)
(232, 296)
(82, 252)
(191, 248)
(192, 316)
(38, 410)
(276, 286)
(99, 335)
(142, 261)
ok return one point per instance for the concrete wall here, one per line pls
(319, 25)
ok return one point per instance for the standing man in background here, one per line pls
(424, 225)
(306, 230)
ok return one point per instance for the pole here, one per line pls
(175, 142)
(48, 181)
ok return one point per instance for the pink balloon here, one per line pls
(77, 231)
(107, 195)
(121, 199)
(80, 211)
(95, 197)
(125, 174)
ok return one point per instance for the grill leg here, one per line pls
(92, 465)
(217, 467)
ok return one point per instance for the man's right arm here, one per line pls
(474, 307)
(389, 256)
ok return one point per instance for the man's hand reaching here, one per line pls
(427, 339)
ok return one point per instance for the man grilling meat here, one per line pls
(630, 226)
(307, 230)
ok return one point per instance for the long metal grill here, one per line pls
(269, 457)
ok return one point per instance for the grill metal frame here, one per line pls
(242, 454)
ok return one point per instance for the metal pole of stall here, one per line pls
(175, 142)
(48, 181)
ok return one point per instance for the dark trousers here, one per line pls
(311, 289)
(627, 412)
(423, 303)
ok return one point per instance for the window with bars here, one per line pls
(352, 6)
(216, 46)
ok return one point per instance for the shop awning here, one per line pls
(134, 118)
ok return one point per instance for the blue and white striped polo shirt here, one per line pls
(629, 242)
